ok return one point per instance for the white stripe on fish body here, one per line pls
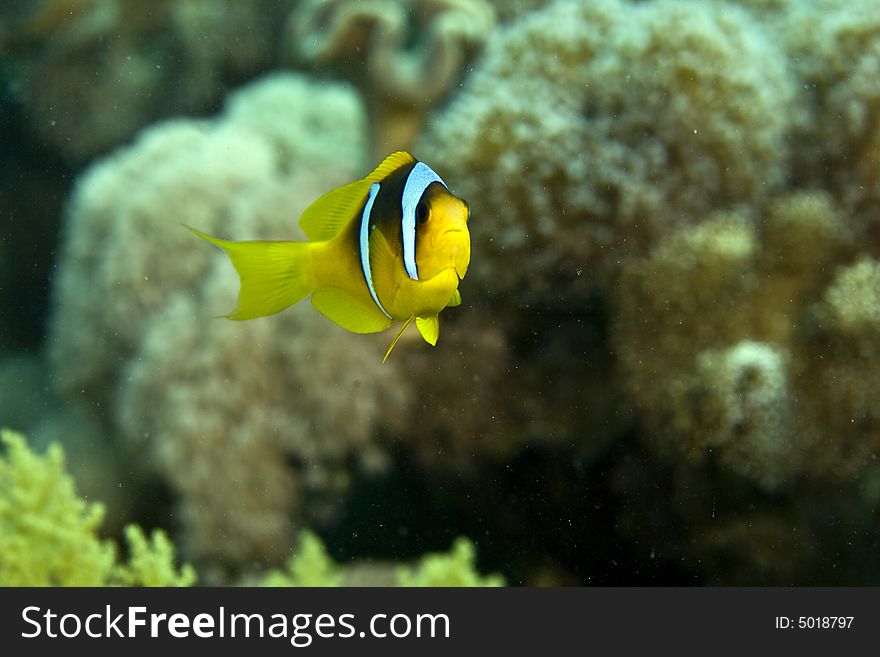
(364, 241)
(417, 182)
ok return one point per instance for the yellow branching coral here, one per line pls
(151, 561)
(312, 566)
(309, 566)
(48, 534)
(455, 568)
(370, 39)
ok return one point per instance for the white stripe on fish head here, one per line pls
(417, 182)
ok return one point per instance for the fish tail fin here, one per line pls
(274, 275)
(397, 337)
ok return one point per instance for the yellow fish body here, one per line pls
(390, 247)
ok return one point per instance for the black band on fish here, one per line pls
(364, 243)
(417, 182)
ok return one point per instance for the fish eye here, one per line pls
(421, 212)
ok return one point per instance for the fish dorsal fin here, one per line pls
(324, 219)
(455, 300)
(429, 327)
(351, 314)
(389, 165)
(384, 267)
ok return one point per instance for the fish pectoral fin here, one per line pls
(325, 218)
(397, 337)
(429, 327)
(353, 315)
(274, 275)
(455, 300)
(385, 264)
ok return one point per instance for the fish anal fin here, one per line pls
(455, 300)
(351, 314)
(329, 214)
(429, 327)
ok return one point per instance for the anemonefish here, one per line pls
(390, 247)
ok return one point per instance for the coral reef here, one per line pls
(715, 331)
(841, 373)
(664, 366)
(48, 535)
(406, 56)
(578, 152)
(236, 417)
(747, 345)
(835, 49)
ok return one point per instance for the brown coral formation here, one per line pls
(579, 152)
(405, 56)
(721, 342)
(835, 49)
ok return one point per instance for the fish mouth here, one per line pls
(459, 250)
(456, 242)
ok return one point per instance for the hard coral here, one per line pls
(842, 372)
(835, 48)
(743, 410)
(372, 43)
(718, 331)
(592, 128)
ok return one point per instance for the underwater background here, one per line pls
(665, 369)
